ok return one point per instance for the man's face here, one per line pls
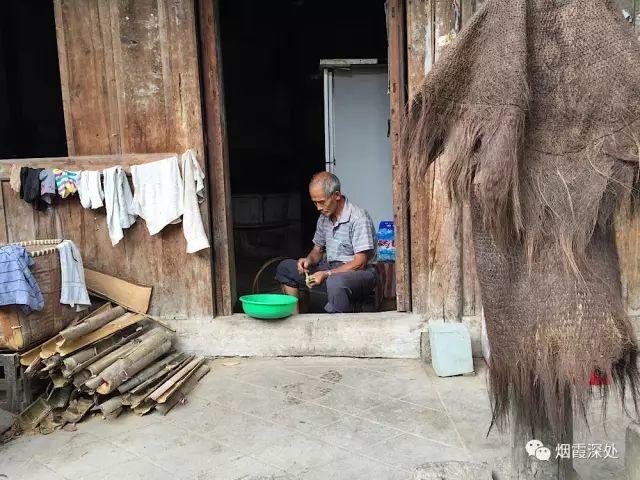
(325, 205)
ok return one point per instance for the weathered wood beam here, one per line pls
(398, 94)
(217, 154)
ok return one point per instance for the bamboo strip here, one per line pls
(183, 391)
(172, 381)
(167, 394)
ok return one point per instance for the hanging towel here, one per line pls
(73, 290)
(66, 182)
(118, 202)
(90, 189)
(47, 185)
(30, 187)
(14, 178)
(158, 193)
(18, 286)
(192, 226)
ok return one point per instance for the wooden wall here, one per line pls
(443, 279)
(130, 84)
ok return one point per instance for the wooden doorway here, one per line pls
(218, 153)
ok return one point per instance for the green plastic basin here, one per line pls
(268, 305)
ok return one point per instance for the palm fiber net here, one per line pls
(536, 104)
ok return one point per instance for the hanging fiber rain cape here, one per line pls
(536, 107)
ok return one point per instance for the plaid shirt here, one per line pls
(352, 233)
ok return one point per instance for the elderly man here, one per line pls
(345, 232)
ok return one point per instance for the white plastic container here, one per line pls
(450, 348)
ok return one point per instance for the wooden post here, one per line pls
(217, 156)
(397, 83)
(525, 467)
(436, 223)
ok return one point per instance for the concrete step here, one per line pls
(380, 334)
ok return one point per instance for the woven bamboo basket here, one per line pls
(19, 331)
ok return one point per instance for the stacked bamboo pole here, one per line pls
(109, 362)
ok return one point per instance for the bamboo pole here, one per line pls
(119, 377)
(92, 323)
(110, 405)
(148, 373)
(113, 375)
(76, 359)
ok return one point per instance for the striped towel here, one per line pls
(66, 182)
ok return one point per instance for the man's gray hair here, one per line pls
(328, 181)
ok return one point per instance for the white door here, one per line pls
(358, 151)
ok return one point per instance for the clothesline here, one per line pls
(164, 193)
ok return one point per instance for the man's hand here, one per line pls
(317, 278)
(303, 265)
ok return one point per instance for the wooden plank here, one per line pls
(180, 22)
(478, 4)
(420, 41)
(420, 51)
(628, 243)
(133, 297)
(472, 304)
(436, 226)
(397, 82)
(63, 61)
(468, 9)
(82, 54)
(139, 69)
(3, 219)
(445, 289)
(131, 84)
(217, 156)
(20, 217)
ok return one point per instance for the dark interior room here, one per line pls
(273, 85)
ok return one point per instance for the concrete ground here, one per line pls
(294, 418)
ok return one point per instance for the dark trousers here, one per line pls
(342, 288)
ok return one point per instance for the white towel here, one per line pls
(73, 289)
(118, 202)
(193, 195)
(90, 189)
(158, 193)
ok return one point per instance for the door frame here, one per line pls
(217, 152)
(217, 156)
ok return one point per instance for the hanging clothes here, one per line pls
(66, 182)
(90, 189)
(47, 185)
(30, 187)
(18, 286)
(118, 201)
(14, 178)
(73, 289)
(158, 193)
(192, 226)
